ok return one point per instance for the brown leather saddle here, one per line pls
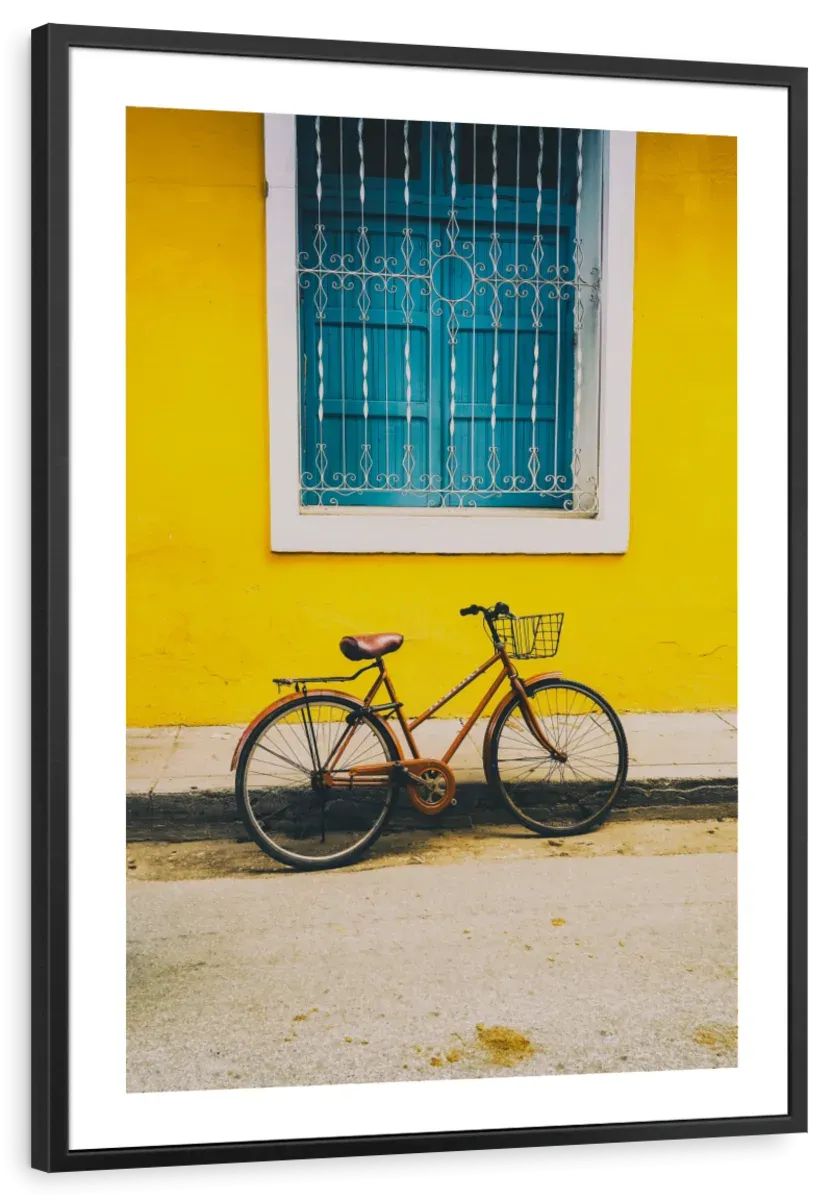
(370, 645)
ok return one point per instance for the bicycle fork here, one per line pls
(532, 721)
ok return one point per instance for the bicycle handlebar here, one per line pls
(498, 610)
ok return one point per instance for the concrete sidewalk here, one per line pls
(181, 759)
(180, 786)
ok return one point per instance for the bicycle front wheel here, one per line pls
(546, 794)
(285, 807)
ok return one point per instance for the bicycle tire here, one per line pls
(259, 835)
(619, 775)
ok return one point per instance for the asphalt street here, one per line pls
(460, 970)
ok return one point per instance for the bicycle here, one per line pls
(317, 773)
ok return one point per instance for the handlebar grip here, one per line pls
(471, 611)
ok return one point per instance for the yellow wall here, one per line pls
(212, 614)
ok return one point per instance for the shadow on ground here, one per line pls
(214, 858)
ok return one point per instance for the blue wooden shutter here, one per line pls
(429, 251)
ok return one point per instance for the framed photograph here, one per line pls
(419, 727)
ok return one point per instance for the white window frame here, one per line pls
(353, 530)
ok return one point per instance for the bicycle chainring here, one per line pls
(434, 788)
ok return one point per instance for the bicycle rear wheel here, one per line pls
(548, 796)
(285, 810)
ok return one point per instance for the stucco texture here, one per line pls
(213, 614)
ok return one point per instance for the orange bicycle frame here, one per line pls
(382, 771)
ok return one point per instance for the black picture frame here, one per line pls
(51, 46)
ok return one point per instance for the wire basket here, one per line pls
(530, 637)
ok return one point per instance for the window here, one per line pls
(447, 327)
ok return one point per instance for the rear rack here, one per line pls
(324, 678)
